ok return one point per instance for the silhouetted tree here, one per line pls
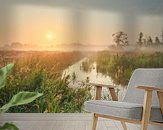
(120, 38)
(157, 41)
(140, 40)
(149, 41)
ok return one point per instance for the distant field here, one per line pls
(66, 58)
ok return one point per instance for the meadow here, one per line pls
(42, 72)
(119, 66)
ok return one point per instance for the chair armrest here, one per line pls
(102, 85)
(111, 88)
(150, 88)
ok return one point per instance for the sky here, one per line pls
(44, 22)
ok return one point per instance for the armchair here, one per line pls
(143, 103)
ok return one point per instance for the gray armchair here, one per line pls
(143, 103)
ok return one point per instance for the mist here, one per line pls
(131, 13)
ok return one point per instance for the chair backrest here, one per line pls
(147, 77)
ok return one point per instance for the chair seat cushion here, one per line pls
(131, 111)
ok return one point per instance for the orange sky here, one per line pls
(32, 24)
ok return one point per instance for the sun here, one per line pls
(49, 35)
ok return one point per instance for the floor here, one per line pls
(68, 121)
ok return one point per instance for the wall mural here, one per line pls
(59, 47)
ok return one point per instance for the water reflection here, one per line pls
(80, 75)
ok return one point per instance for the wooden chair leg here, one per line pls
(146, 110)
(160, 98)
(98, 92)
(124, 125)
(94, 122)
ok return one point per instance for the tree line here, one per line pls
(121, 39)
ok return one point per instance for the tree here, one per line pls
(120, 38)
(157, 41)
(140, 40)
(149, 41)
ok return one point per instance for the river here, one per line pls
(80, 77)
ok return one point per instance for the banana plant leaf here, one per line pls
(20, 99)
(8, 126)
(3, 74)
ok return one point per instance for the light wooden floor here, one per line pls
(61, 121)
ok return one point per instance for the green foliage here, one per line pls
(3, 74)
(73, 77)
(20, 99)
(8, 126)
(43, 73)
(120, 66)
(87, 65)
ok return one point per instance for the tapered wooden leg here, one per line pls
(124, 125)
(98, 92)
(146, 110)
(160, 98)
(94, 122)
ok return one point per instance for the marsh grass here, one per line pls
(120, 66)
(42, 72)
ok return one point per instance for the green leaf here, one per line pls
(20, 99)
(8, 126)
(3, 74)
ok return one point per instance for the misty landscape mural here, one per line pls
(59, 47)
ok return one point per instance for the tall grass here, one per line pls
(120, 66)
(42, 72)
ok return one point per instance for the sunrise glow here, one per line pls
(49, 36)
